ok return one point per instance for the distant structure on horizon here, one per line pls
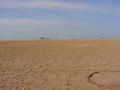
(44, 38)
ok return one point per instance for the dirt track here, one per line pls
(68, 64)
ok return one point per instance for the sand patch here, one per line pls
(60, 64)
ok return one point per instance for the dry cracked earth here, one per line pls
(60, 64)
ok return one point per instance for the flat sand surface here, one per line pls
(60, 64)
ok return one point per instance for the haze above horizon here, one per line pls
(32, 19)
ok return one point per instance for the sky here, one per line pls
(32, 19)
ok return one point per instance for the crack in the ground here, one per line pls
(101, 85)
(91, 75)
(89, 79)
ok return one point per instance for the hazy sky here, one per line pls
(30, 19)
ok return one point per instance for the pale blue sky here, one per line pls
(31, 19)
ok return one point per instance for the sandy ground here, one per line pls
(66, 64)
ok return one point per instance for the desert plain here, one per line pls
(60, 64)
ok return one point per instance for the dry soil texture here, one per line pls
(60, 64)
